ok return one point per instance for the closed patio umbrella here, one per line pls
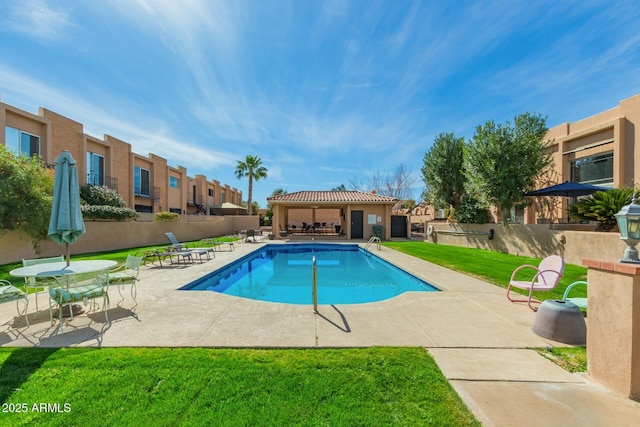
(66, 224)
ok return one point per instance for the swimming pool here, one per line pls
(283, 273)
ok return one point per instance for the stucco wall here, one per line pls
(104, 236)
(533, 240)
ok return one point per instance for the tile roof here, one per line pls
(331, 197)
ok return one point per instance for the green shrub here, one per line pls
(101, 202)
(166, 216)
(472, 211)
(601, 206)
(107, 212)
(100, 195)
(26, 188)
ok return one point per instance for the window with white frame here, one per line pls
(21, 142)
(141, 182)
(95, 169)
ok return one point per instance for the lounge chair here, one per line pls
(547, 275)
(126, 274)
(579, 301)
(182, 247)
(9, 293)
(251, 235)
(216, 244)
(283, 232)
(63, 294)
(39, 282)
(172, 252)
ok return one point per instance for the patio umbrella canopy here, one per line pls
(66, 224)
(566, 189)
(229, 209)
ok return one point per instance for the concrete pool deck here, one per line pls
(480, 341)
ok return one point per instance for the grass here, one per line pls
(196, 386)
(117, 255)
(496, 268)
(572, 359)
(490, 266)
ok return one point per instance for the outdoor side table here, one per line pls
(560, 321)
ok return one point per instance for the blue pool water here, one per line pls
(283, 273)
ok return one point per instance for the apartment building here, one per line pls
(147, 183)
(598, 150)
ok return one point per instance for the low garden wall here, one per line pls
(107, 236)
(534, 240)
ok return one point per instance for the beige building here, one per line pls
(352, 214)
(598, 150)
(147, 184)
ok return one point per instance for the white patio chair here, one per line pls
(9, 293)
(39, 282)
(126, 274)
(64, 295)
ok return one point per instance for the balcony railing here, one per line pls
(141, 190)
(107, 181)
(199, 200)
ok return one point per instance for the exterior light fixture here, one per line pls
(629, 224)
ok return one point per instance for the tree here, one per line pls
(398, 184)
(502, 162)
(443, 171)
(26, 194)
(340, 187)
(252, 168)
(276, 192)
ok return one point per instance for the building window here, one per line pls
(20, 142)
(144, 208)
(175, 210)
(174, 182)
(211, 192)
(95, 169)
(223, 197)
(595, 170)
(141, 182)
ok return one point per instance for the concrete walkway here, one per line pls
(480, 341)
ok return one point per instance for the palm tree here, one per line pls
(252, 168)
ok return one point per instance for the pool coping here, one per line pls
(229, 269)
(481, 342)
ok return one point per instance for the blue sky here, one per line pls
(324, 92)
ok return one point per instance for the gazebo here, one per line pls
(347, 214)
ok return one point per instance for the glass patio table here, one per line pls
(60, 270)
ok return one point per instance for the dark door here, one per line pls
(398, 226)
(356, 225)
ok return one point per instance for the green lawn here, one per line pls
(215, 387)
(490, 266)
(118, 256)
(496, 268)
(195, 386)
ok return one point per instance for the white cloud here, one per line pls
(36, 19)
(98, 121)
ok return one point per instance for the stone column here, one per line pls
(613, 325)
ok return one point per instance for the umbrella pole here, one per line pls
(68, 254)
